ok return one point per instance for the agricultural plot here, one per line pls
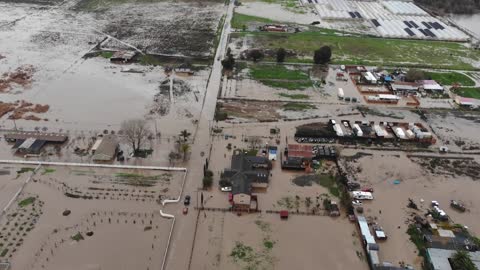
(73, 217)
(48, 53)
(367, 51)
(450, 78)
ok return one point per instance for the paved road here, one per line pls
(183, 235)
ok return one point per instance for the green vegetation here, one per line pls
(417, 238)
(461, 260)
(294, 96)
(107, 55)
(4, 252)
(241, 21)
(370, 50)
(149, 60)
(207, 179)
(262, 72)
(242, 252)
(289, 85)
(329, 182)
(291, 5)
(48, 170)
(279, 76)
(26, 201)
(268, 244)
(469, 92)
(24, 170)
(292, 106)
(141, 180)
(450, 78)
(263, 226)
(77, 237)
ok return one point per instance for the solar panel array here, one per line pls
(396, 19)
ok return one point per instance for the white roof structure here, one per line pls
(385, 96)
(433, 87)
(439, 258)
(365, 230)
(369, 76)
(446, 233)
(395, 19)
(27, 143)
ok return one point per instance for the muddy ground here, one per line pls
(72, 217)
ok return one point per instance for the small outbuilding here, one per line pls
(123, 56)
(106, 149)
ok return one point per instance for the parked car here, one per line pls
(435, 203)
(367, 189)
(356, 203)
(186, 201)
(226, 189)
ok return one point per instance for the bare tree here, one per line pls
(185, 134)
(254, 142)
(136, 131)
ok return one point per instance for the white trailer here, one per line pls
(341, 95)
(362, 195)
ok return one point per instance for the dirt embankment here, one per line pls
(22, 110)
(22, 76)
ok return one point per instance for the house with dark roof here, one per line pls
(246, 173)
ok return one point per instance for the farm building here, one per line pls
(254, 169)
(33, 142)
(430, 86)
(105, 148)
(438, 259)
(404, 88)
(123, 56)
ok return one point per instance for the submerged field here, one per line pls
(367, 50)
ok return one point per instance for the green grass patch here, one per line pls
(370, 50)
(262, 72)
(48, 170)
(329, 182)
(106, 55)
(240, 21)
(293, 106)
(148, 60)
(469, 92)
(417, 238)
(77, 237)
(24, 170)
(294, 96)
(26, 201)
(4, 252)
(288, 85)
(268, 244)
(450, 78)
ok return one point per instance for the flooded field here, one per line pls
(71, 217)
(389, 207)
(50, 41)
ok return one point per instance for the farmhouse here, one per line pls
(246, 173)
